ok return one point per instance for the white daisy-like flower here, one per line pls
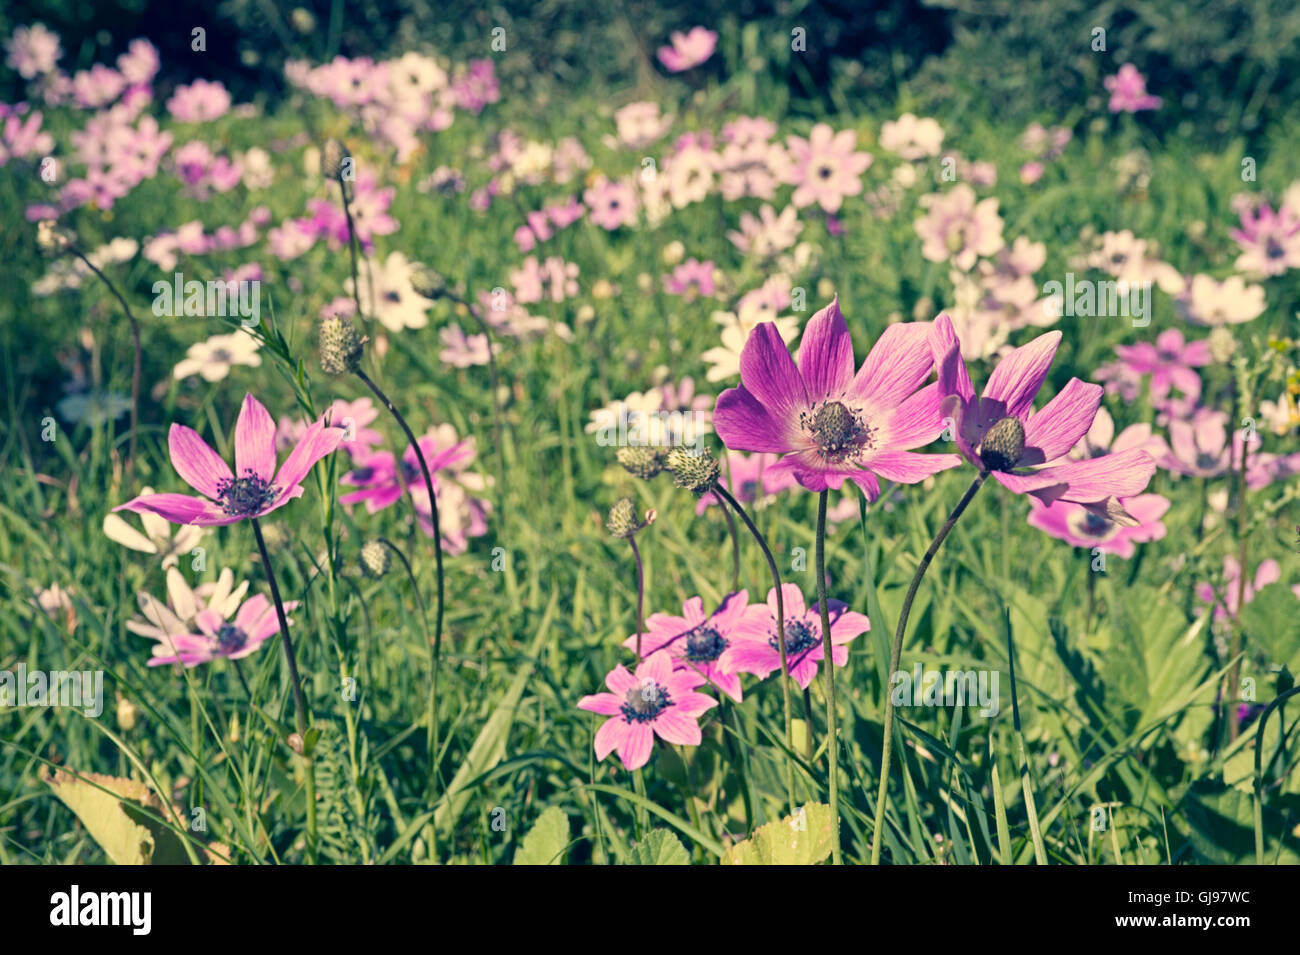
(394, 301)
(157, 537)
(162, 621)
(724, 360)
(213, 359)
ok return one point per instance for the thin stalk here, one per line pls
(431, 738)
(725, 495)
(828, 666)
(299, 703)
(433, 502)
(1234, 678)
(1259, 766)
(735, 544)
(135, 368)
(640, 595)
(896, 653)
(352, 244)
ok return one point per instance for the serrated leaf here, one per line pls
(801, 839)
(547, 842)
(659, 847)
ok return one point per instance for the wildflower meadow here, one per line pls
(420, 448)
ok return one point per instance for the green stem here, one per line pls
(431, 739)
(299, 702)
(135, 368)
(828, 666)
(1031, 809)
(1259, 766)
(640, 595)
(433, 503)
(896, 653)
(725, 495)
(735, 544)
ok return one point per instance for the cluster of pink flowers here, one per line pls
(543, 223)
(164, 249)
(553, 280)
(683, 654)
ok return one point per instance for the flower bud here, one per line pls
(52, 238)
(641, 462)
(332, 157)
(375, 559)
(340, 346)
(428, 282)
(696, 471)
(623, 521)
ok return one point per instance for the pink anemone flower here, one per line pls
(1076, 525)
(1000, 433)
(226, 498)
(688, 49)
(1226, 603)
(757, 651)
(696, 640)
(829, 423)
(234, 638)
(657, 700)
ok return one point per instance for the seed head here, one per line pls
(1003, 444)
(696, 471)
(340, 346)
(623, 521)
(375, 559)
(641, 462)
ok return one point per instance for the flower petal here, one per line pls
(908, 467)
(1016, 380)
(255, 440)
(945, 348)
(769, 374)
(317, 442)
(745, 424)
(899, 363)
(1057, 427)
(179, 509)
(197, 464)
(674, 726)
(826, 353)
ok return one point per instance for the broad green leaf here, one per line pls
(548, 840)
(801, 839)
(121, 815)
(660, 847)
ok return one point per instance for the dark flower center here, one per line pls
(838, 432)
(230, 639)
(1094, 525)
(1003, 444)
(245, 496)
(645, 701)
(704, 645)
(1274, 249)
(799, 637)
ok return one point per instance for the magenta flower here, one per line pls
(227, 498)
(998, 431)
(1128, 91)
(691, 278)
(1268, 572)
(1169, 362)
(1076, 525)
(825, 167)
(696, 640)
(612, 202)
(829, 423)
(657, 700)
(1270, 241)
(688, 49)
(200, 102)
(756, 650)
(1199, 445)
(234, 638)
